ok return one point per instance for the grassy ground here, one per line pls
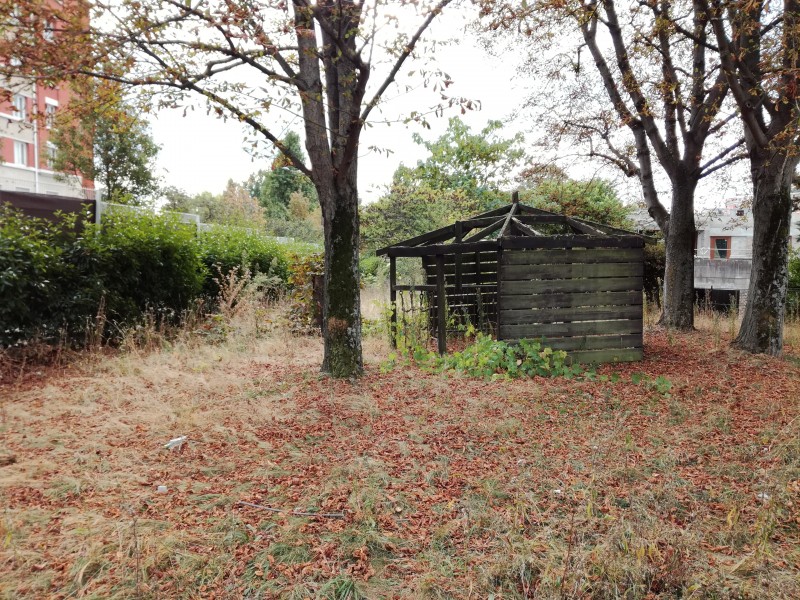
(677, 477)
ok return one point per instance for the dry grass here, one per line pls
(680, 479)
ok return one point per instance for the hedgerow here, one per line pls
(65, 281)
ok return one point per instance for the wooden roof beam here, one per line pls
(537, 219)
(437, 235)
(486, 231)
(524, 229)
(581, 227)
(606, 229)
(509, 216)
(524, 209)
(496, 212)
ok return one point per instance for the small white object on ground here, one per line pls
(161, 488)
(176, 443)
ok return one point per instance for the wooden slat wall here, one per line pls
(585, 301)
(478, 276)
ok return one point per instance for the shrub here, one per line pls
(373, 268)
(655, 262)
(226, 248)
(36, 275)
(55, 279)
(495, 359)
(793, 296)
(305, 314)
(146, 262)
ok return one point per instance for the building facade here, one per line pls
(723, 250)
(27, 118)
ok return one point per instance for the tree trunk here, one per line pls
(762, 325)
(341, 309)
(678, 303)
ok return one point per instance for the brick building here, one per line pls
(27, 119)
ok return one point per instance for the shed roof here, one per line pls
(518, 226)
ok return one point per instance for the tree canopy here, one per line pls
(463, 174)
(274, 187)
(109, 143)
(476, 163)
(594, 200)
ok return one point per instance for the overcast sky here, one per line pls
(200, 153)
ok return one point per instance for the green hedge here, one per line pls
(54, 277)
(39, 292)
(224, 248)
(145, 262)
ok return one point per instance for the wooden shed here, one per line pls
(525, 273)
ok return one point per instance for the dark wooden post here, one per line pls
(499, 285)
(441, 305)
(459, 237)
(393, 299)
(478, 298)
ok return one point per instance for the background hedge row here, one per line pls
(56, 277)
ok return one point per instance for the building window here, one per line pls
(50, 155)
(19, 106)
(49, 32)
(721, 248)
(20, 153)
(50, 115)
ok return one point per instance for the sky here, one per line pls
(201, 153)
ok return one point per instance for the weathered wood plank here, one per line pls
(596, 342)
(441, 249)
(487, 258)
(573, 241)
(606, 356)
(441, 308)
(524, 229)
(524, 209)
(509, 216)
(583, 227)
(495, 212)
(558, 315)
(577, 255)
(485, 232)
(393, 299)
(482, 279)
(581, 328)
(592, 342)
(515, 243)
(534, 219)
(605, 284)
(572, 271)
(466, 269)
(569, 300)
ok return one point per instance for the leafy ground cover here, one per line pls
(675, 477)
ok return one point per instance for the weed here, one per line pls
(341, 588)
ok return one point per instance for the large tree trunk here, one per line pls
(762, 325)
(678, 304)
(341, 310)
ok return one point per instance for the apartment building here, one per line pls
(723, 249)
(27, 118)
